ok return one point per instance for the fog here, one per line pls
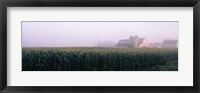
(88, 34)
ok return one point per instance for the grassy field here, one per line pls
(99, 59)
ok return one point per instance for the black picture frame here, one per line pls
(98, 3)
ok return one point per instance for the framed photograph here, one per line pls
(135, 46)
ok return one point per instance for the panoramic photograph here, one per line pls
(100, 45)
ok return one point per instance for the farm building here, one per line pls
(134, 42)
(170, 43)
(123, 43)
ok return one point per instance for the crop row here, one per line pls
(99, 59)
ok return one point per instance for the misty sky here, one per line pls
(85, 34)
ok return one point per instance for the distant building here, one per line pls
(134, 42)
(170, 43)
(124, 43)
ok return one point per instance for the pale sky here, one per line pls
(88, 34)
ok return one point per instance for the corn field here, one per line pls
(99, 59)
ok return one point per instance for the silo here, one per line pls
(131, 40)
(135, 41)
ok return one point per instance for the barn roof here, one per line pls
(124, 42)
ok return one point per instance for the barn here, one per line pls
(134, 42)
